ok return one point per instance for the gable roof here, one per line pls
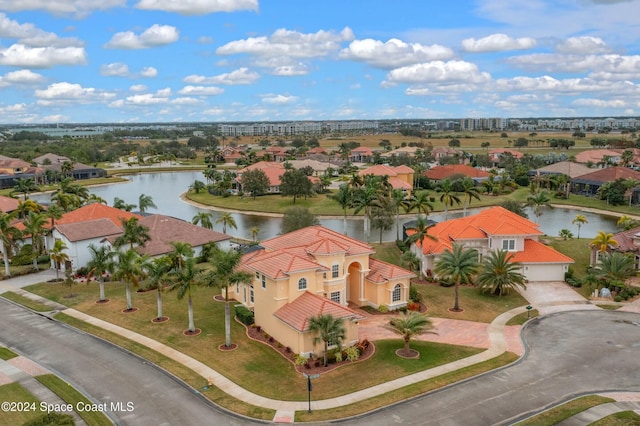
(443, 172)
(497, 152)
(8, 204)
(53, 158)
(381, 272)
(565, 168)
(272, 169)
(609, 174)
(96, 211)
(88, 229)
(626, 239)
(536, 252)
(296, 314)
(310, 235)
(596, 155)
(280, 264)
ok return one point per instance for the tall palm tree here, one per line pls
(329, 330)
(145, 202)
(128, 268)
(58, 255)
(255, 231)
(602, 241)
(409, 325)
(34, 225)
(447, 196)
(119, 203)
(344, 197)
(24, 186)
(398, 199)
(203, 219)
(53, 213)
(157, 272)
(420, 202)
(457, 265)
(579, 221)
(9, 235)
(26, 207)
(101, 263)
(539, 201)
(420, 233)
(132, 233)
(498, 274)
(227, 220)
(183, 281)
(364, 199)
(469, 192)
(180, 253)
(225, 273)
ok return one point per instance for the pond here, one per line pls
(165, 189)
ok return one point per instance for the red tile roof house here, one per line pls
(493, 229)
(361, 154)
(445, 172)
(590, 183)
(628, 242)
(400, 177)
(315, 271)
(272, 170)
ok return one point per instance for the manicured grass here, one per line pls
(7, 354)
(564, 411)
(477, 306)
(623, 418)
(71, 396)
(388, 252)
(13, 392)
(608, 307)
(406, 392)
(523, 317)
(24, 301)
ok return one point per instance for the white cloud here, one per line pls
(149, 72)
(146, 99)
(573, 86)
(237, 77)
(138, 88)
(185, 101)
(201, 91)
(30, 35)
(600, 103)
(394, 52)
(497, 42)
(19, 55)
(116, 69)
(290, 70)
(198, 7)
(551, 62)
(438, 72)
(154, 36)
(583, 45)
(71, 93)
(61, 7)
(278, 99)
(22, 77)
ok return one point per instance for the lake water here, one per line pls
(165, 189)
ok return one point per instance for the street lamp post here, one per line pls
(529, 308)
(309, 377)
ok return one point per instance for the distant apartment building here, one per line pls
(294, 128)
(589, 123)
(470, 124)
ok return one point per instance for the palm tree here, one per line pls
(539, 201)
(198, 186)
(128, 268)
(344, 197)
(203, 219)
(24, 186)
(498, 274)
(26, 207)
(419, 202)
(616, 266)
(421, 232)
(602, 241)
(34, 226)
(364, 199)
(119, 203)
(157, 272)
(132, 233)
(448, 196)
(579, 220)
(101, 262)
(457, 265)
(398, 199)
(255, 231)
(225, 274)
(53, 213)
(9, 234)
(409, 325)
(227, 220)
(182, 281)
(410, 259)
(58, 255)
(469, 191)
(329, 330)
(180, 253)
(145, 202)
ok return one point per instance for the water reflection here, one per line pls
(165, 189)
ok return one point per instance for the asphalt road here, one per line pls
(107, 374)
(570, 354)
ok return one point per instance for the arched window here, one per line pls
(302, 284)
(397, 293)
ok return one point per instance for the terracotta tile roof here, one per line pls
(536, 252)
(96, 211)
(326, 246)
(362, 149)
(8, 204)
(625, 240)
(88, 229)
(379, 170)
(272, 169)
(280, 264)
(296, 314)
(380, 272)
(596, 155)
(397, 183)
(496, 152)
(317, 150)
(312, 234)
(443, 172)
(609, 174)
(403, 169)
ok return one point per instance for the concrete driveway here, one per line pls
(554, 296)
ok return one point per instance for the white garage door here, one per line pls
(544, 272)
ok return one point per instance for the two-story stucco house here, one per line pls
(496, 229)
(315, 271)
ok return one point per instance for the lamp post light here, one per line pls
(309, 377)
(529, 308)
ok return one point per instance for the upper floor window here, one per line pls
(509, 245)
(335, 296)
(396, 295)
(302, 284)
(335, 271)
(264, 281)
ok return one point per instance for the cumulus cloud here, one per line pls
(438, 72)
(600, 103)
(71, 93)
(393, 53)
(116, 69)
(148, 72)
(198, 7)
(201, 90)
(30, 35)
(78, 8)
(583, 45)
(154, 36)
(22, 77)
(19, 55)
(497, 43)
(611, 64)
(236, 77)
(569, 86)
(278, 99)
(138, 88)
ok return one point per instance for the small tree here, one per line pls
(409, 325)
(297, 218)
(329, 330)
(296, 184)
(255, 182)
(58, 256)
(498, 274)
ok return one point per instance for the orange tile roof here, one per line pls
(443, 172)
(536, 252)
(296, 314)
(497, 151)
(310, 235)
(96, 211)
(280, 264)
(8, 204)
(378, 170)
(380, 272)
(397, 183)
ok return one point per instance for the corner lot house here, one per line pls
(315, 271)
(494, 229)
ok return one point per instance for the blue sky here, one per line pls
(74, 61)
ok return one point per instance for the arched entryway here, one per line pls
(355, 286)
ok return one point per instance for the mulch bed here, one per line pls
(192, 333)
(129, 311)
(102, 302)
(409, 354)
(160, 320)
(314, 366)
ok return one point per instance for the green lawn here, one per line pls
(24, 301)
(623, 418)
(564, 411)
(13, 392)
(7, 354)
